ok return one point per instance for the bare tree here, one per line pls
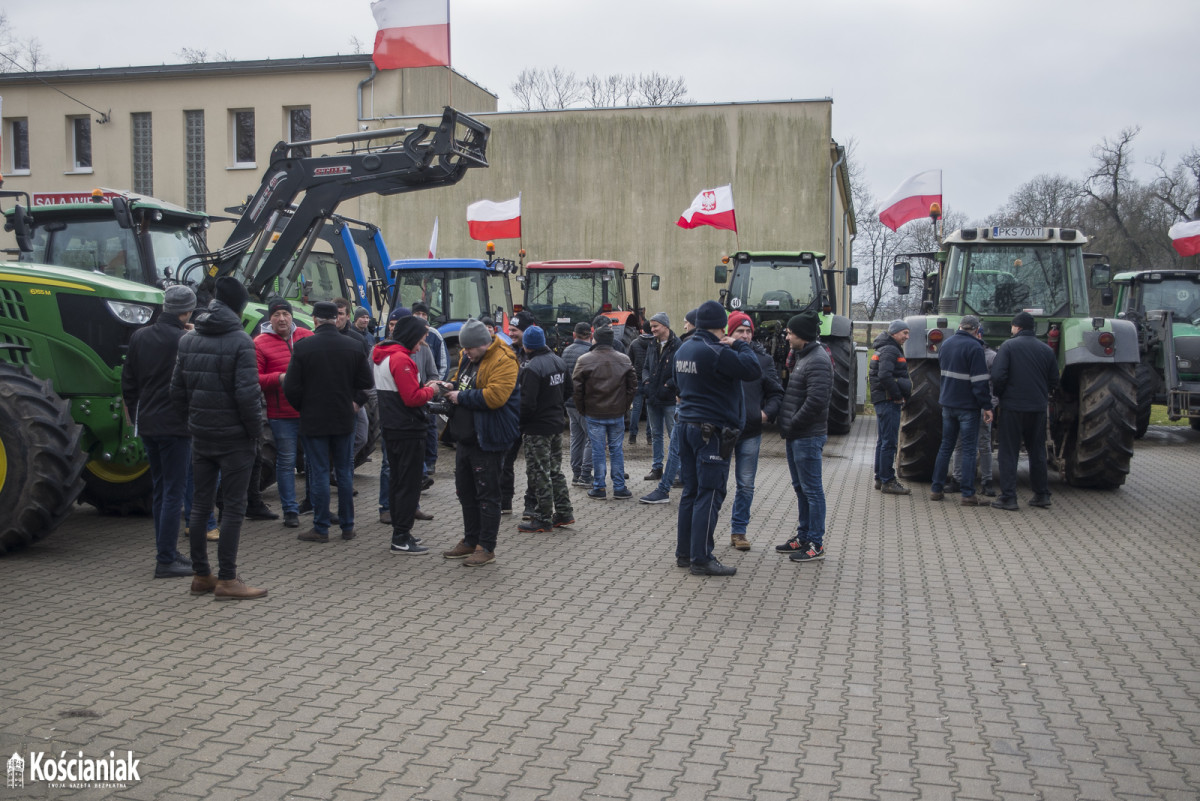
(659, 90)
(1043, 200)
(1108, 184)
(563, 89)
(19, 54)
(192, 55)
(609, 91)
(1178, 188)
(356, 45)
(555, 88)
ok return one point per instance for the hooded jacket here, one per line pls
(215, 382)
(146, 379)
(402, 399)
(888, 373)
(273, 353)
(545, 386)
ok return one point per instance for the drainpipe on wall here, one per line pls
(361, 84)
(841, 151)
(848, 241)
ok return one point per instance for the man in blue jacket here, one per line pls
(965, 391)
(709, 370)
(1024, 374)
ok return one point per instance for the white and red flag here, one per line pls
(433, 240)
(711, 207)
(912, 199)
(412, 33)
(1185, 236)
(488, 220)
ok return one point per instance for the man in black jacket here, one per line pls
(890, 389)
(327, 382)
(215, 385)
(1024, 375)
(638, 349)
(545, 385)
(763, 397)
(146, 387)
(803, 423)
(658, 385)
(521, 321)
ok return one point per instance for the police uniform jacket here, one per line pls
(710, 375)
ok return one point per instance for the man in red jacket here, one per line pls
(273, 349)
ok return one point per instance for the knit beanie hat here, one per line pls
(806, 325)
(896, 327)
(409, 331)
(230, 291)
(361, 312)
(691, 316)
(523, 320)
(399, 312)
(279, 304)
(603, 335)
(739, 319)
(662, 319)
(583, 330)
(473, 334)
(1024, 320)
(534, 339)
(179, 299)
(711, 315)
(420, 306)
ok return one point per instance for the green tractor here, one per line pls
(994, 273)
(1165, 307)
(771, 287)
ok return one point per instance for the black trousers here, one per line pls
(229, 463)
(1016, 428)
(477, 482)
(406, 460)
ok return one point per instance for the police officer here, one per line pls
(709, 370)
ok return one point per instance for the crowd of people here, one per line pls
(196, 387)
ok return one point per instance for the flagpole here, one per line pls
(449, 69)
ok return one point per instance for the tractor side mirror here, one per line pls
(19, 224)
(654, 283)
(720, 274)
(121, 211)
(851, 276)
(1101, 276)
(902, 276)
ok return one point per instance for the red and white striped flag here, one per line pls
(488, 220)
(711, 207)
(412, 33)
(1185, 236)
(433, 240)
(912, 199)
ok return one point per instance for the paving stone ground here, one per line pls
(939, 652)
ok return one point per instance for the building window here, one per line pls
(19, 139)
(194, 159)
(143, 150)
(243, 138)
(81, 143)
(300, 130)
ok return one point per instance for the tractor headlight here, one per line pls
(131, 313)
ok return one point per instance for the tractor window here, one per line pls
(99, 245)
(466, 295)
(772, 286)
(1003, 280)
(322, 270)
(556, 296)
(170, 246)
(499, 294)
(1180, 297)
(424, 286)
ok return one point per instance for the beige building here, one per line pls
(595, 183)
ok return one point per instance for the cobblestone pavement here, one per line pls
(939, 652)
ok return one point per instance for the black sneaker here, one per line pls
(410, 547)
(426, 483)
(177, 569)
(1007, 504)
(681, 561)
(713, 568)
(261, 512)
(622, 495)
(791, 546)
(533, 526)
(291, 520)
(305, 506)
(809, 552)
(506, 510)
(1040, 501)
(598, 494)
(562, 520)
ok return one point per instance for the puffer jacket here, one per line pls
(273, 353)
(604, 383)
(146, 379)
(496, 403)
(888, 373)
(402, 399)
(805, 409)
(638, 350)
(545, 385)
(215, 383)
(658, 375)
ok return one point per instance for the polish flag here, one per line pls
(1185, 236)
(488, 220)
(433, 240)
(711, 207)
(912, 199)
(412, 33)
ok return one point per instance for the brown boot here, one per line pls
(236, 590)
(460, 551)
(740, 542)
(480, 558)
(203, 584)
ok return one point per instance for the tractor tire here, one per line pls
(116, 490)
(1101, 443)
(845, 384)
(1146, 379)
(921, 422)
(40, 459)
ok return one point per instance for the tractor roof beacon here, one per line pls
(994, 273)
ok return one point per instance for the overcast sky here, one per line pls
(992, 93)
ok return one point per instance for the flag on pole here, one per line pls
(912, 199)
(412, 33)
(711, 207)
(433, 240)
(488, 220)
(1185, 236)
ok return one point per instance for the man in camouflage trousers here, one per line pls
(545, 386)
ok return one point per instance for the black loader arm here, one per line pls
(426, 158)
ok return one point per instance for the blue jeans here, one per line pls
(286, 433)
(169, 461)
(324, 454)
(957, 423)
(671, 470)
(984, 459)
(745, 455)
(635, 415)
(581, 446)
(887, 420)
(660, 417)
(610, 432)
(705, 478)
(804, 462)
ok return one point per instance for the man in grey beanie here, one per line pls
(145, 387)
(890, 389)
